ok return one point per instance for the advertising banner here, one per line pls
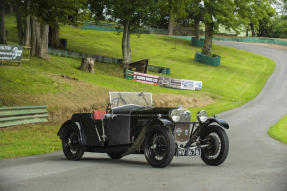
(187, 85)
(163, 81)
(145, 78)
(179, 83)
(10, 53)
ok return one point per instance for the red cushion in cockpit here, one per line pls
(99, 114)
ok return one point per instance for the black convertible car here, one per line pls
(132, 125)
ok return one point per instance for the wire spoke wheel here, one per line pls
(159, 147)
(71, 143)
(218, 145)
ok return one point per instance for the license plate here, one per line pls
(191, 151)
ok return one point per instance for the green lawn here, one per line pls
(238, 79)
(28, 140)
(279, 130)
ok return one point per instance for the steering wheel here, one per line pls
(118, 100)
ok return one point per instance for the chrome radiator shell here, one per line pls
(182, 129)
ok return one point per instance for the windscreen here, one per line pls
(142, 99)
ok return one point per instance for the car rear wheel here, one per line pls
(159, 147)
(71, 143)
(218, 145)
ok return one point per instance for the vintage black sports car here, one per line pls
(132, 125)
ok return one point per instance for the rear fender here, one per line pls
(64, 125)
(67, 125)
(220, 122)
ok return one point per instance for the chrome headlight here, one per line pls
(177, 113)
(202, 116)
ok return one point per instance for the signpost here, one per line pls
(10, 53)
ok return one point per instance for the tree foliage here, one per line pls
(132, 15)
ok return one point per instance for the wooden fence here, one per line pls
(19, 115)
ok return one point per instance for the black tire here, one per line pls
(217, 152)
(164, 148)
(71, 143)
(115, 155)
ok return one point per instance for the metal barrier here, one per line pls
(115, 29)
(72, 54)
(103, 59)
(265, 40)
(19, 115)
(157, 69)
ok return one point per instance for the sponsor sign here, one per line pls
(164, 81)
(10, 53)
(145, 78)
(197, 85)
(187, 85)
(179, 83)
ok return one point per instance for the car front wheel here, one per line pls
(71, 143)
(217, 145)
(159, 147)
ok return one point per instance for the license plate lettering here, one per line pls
(192, 151)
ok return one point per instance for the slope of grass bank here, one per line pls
(279, 130)
(239, 79)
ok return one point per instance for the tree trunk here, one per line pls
(126, 48)
(87, 65)
(54, 36)
(19, 21)
(43, 42)
(3, 39)
(39, 39)
(247, 30)
(27, 32)
(197, 29)
(35, 35)
(11, 11)
(171, 24)
(252, 29)
(207, 47)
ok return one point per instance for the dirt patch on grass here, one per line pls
(173, 100)
(83, 97)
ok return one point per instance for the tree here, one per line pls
(195, 12)
(175, 9)
(216, 12)
(37, 15)
(65, 12)
(255, 14)
(132, 15)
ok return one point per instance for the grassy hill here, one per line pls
(240, 77)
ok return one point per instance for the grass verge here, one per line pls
(279, 130)
(28, 140)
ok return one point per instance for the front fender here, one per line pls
(164, 122)
(220, 122)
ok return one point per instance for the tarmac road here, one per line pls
(256, 162)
